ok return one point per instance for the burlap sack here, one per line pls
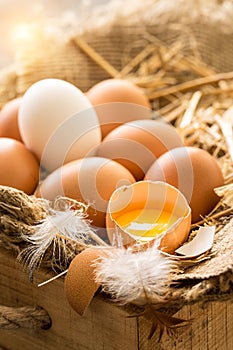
(118, 32)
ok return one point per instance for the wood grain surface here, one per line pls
(105, 325)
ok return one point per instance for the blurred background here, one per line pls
(15, 14)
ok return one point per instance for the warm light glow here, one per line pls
(22, 33)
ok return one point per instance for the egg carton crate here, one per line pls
(171, 51)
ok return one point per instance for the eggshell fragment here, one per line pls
(156, 196)
(9, 120)
(118, 101)
(80, 284)
(200, 244)
(137, 144)
(194, 172)
(90, 180)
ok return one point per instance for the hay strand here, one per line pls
(97, 58)
(191, 85)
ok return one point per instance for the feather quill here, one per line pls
(136, 277)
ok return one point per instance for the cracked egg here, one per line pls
(146, 213)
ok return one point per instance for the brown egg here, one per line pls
(18, 166)
(9, 120)
(137, 144)
(90, 180)
(118, 101)
(194, 172)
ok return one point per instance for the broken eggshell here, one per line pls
(80, 285)
(156, 201)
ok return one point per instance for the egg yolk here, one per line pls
(146, 223)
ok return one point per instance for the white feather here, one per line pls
(133, 277)
(57, 229)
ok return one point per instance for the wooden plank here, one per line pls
(229, 325)
(104, 325)
(211, 328)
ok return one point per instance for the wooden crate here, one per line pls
(105, 325)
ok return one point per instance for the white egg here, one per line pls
(58, 123)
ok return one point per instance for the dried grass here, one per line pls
(190, 95)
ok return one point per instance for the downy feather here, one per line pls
(59, 228)
(133, 277)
